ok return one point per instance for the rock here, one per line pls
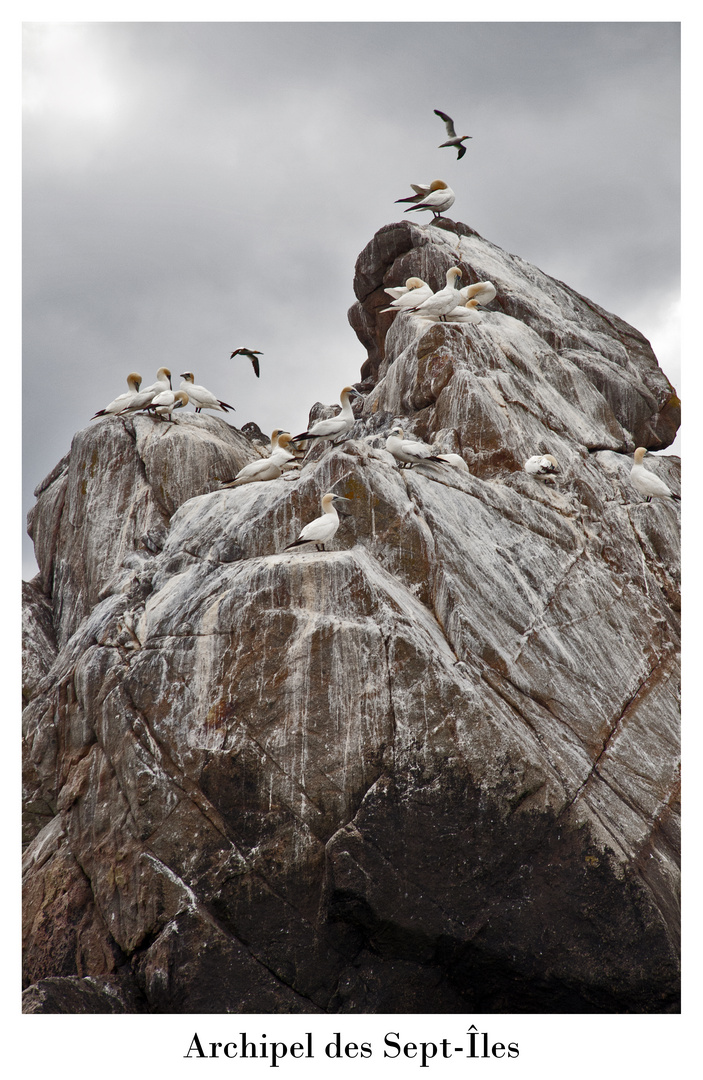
(432, 769)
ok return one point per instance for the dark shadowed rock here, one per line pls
(433, 768)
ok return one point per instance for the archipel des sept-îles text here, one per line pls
(476, 1045)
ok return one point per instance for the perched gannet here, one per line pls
(200, 397)
(123, 400)
(407, 452)
(454, 139)
(322, 529)
(269, 468)
(336, 425)
(143, 399)
(542, 467)
(456, 460)
(437, 198)
(252, 354)
(164, 403)
(646, 482)
(482, 292)
(444, 301)
(414, 292)
(462, 313)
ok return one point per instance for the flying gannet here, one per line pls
(413, 293)
(438, 197)
(269, 468)
(454, 139)
(444, 301)
(542, 467)
(646, 482)
(482, 292)
(336, 426)
(123, 400)
(407, 452)
(200, 397)
(253, 355)
(322, 529)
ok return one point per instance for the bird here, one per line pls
(438, 197)
(646, 482)
(143, 399)
(164, 403)
(465, 313)
(454, 139)
(200, 397)
(122, 400)
(253, 355)
(269, 468)
(407, 452)
(482, 292)
(444, 301)
(335, 426)
(456, 460)
(413, 293)
(542, 467)
(323, 528)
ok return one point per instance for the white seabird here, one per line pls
(164, 403)
(335, 426)
(456, 460)
(444, 301)
(542, 467)
(454, 139)
(481, 291)
(437, 198)
(122, 400)
(413, 293)
(146, 395)
(464, 313)
(407, 452)
(323, 528)
(646, 482)
(253, 355)
(200, 396)
(269, 468)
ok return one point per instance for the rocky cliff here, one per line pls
(432, 769)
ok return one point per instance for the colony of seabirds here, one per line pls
(416, 299)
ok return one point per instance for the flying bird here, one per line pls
(444, 301)
(408, 452)
(122, 400)
(436, 197)
(200, 396)
(336, 426)
(454, 139)
(322, 529)
(253, 355)
(646, 482)
(542, 467)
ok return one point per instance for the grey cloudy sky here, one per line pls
(193, 187)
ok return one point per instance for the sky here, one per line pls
(193, 187)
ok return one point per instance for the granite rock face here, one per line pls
(433, 768)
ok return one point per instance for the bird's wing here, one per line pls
(255, 364)
(462, 151)
(449, 124)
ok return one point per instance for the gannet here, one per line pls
(146, 395)
(408, 453)
(269, 468)
(252, 354)
(646, 482)
(396, 291)
(437, 198)
(542, 467)
(454, 139)
(444, 301)
(412, 295)
(482, 292)
(200, 397)
(164, 403)
(322, 529)
(123, 400)
(456, 460)
(462, 313)
(336, 425)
